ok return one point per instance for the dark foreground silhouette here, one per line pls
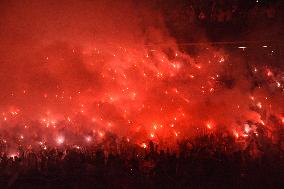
(205, 162)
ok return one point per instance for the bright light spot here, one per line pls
(13, 155)
(262, 122)
(247, 128)
(155, 127)
(209, 125)
(88, 139)
(222, 60)
(176, 134)
(242, 48)
(101, 134)
(60, 140)
(175, 90)
(236, 135)
(133, 95)
(143, 145)
(269, 73)
(259, 105)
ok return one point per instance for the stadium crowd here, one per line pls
(208, 161)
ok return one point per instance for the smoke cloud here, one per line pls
(76, 69)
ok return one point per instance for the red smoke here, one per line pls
(72, 72)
